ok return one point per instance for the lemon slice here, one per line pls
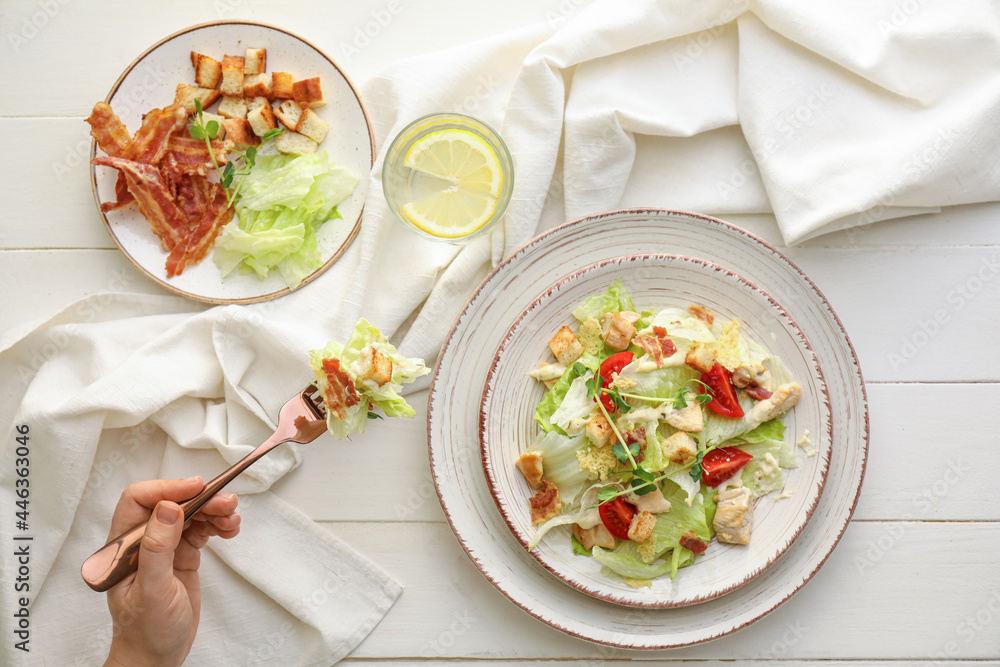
(471, 176)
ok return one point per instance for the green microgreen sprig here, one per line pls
(207, 132)
(679, 397)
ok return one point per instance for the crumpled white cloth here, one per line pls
(831, 117)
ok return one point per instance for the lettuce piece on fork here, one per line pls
(365, 373)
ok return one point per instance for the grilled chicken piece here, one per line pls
(530, 463)
(734, 516)
(617, 329)
(598, 536)
(780, 402)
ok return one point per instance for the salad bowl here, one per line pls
(653, 282)
(453, 422)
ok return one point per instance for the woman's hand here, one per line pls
(155, 609)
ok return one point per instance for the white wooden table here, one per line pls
(916, 577)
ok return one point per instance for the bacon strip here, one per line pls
(146, 184)
(150, 141)
(200, 241)
(188, 155)
(658, 348)
(341, 392)
(122, 195)
(164, 171)
(108, 130)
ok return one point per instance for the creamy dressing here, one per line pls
(736, 481)
(547, 372)
(805, 443)
(589, 518)
(768, 469)
(785, 494)
(576, 426)
(653, 502)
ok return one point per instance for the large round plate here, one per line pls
(150, 82)
(465, 361)
(653, 282)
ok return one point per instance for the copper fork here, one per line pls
(302, 420)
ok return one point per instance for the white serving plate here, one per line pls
(150, 82)
(507, 427)
(464, 364)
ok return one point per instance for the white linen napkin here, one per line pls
(830, 116)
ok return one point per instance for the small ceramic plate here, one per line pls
(507, 427)
(150, 82)
(464, 365)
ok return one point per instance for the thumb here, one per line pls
(156, 552)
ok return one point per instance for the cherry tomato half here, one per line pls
(724, 401)
(613, 364)
(617, 515)
(721, 464)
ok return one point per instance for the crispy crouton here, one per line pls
(375, 366)
(314, 127)
(700, 357)
(186, 94)
(260, 116)
(207, 71)
(680, 448)
(289, 113)
(598, 536)
(255, 61)
(565, 346)
(258, 85)
(530, 464)
(599, 431)
(283, 82)
(308, 93)
(239, 132)
(233, 107)
(232, 76)
(293, 143)
(641, 527)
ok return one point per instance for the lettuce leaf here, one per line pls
(615, 299)
(386, 396)
(553, 398)
(282, 203)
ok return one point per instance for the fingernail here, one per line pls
(192, 479)
(167, 513)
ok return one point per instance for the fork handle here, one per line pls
(120, 556)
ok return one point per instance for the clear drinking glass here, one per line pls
(422, 200)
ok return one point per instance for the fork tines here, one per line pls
(315, 400)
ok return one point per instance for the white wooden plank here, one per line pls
(933, 452)
(890, 591)
(913, 314)
(362, 36)
(38, 283)
(48, 199)
(677, 663)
